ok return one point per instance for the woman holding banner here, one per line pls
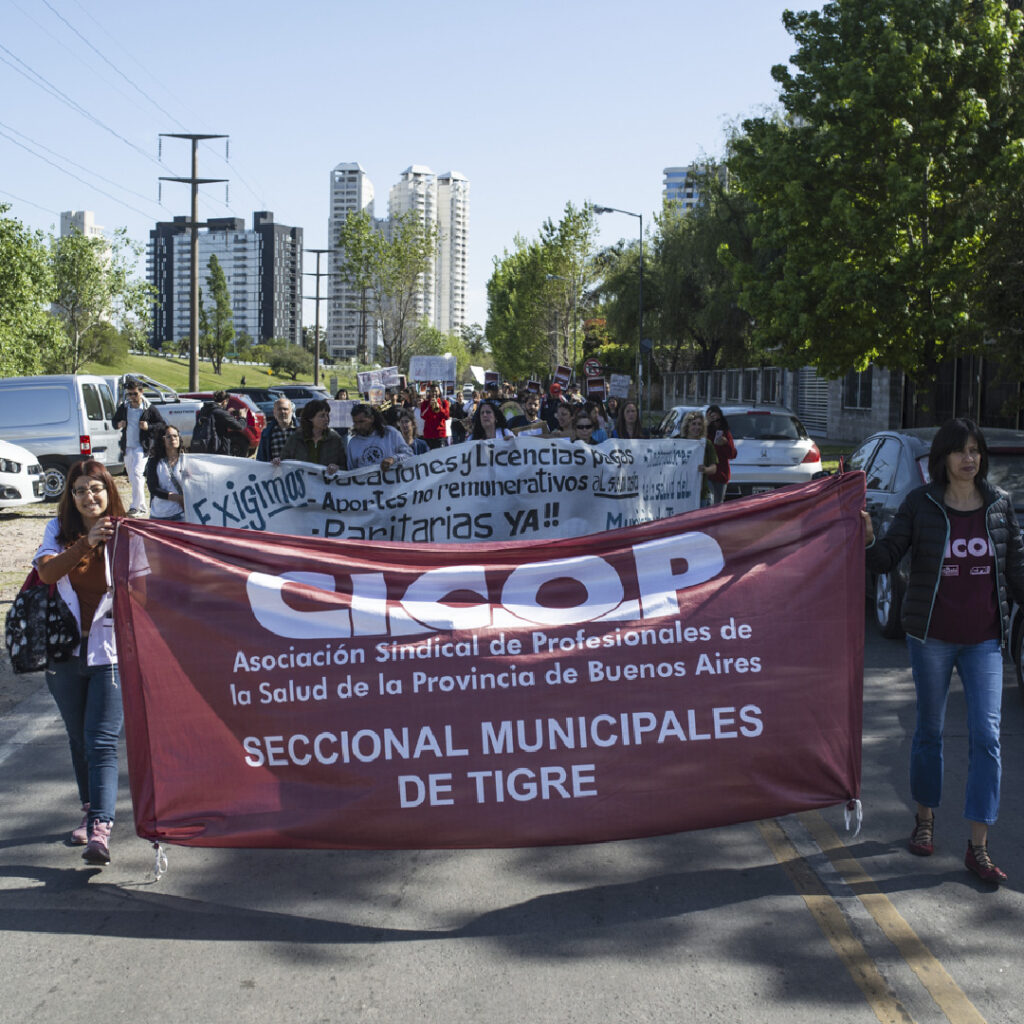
(86, 687)
(694, 429)
(565, 414)
(489, 424)
(314, 441)
(966, 558)
(628, 424)
(725, 450)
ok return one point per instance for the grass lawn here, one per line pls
(174, 373)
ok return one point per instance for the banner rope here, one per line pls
(853, 810)
(159, 862)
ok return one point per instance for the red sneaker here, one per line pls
(978, 861)
(921, 843)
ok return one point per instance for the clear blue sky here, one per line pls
(537, 103)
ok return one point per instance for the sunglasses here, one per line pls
(584, 426)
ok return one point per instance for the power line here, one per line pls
(45, 209)
(110, 63)
(74, 163)
(63, 170)
(77, 107)
(91, 68)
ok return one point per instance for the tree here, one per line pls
(25, 281)
(872, 195)
(289, 359)
(536, 295)
(474, 339)
(216, 327)
(388, 270)
(92, 284)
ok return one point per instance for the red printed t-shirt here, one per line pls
(965, 609)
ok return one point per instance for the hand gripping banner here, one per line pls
(681, 674)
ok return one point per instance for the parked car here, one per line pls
(263, 398)
(895, 462)
(300, 394)
(246, 409)
(176, 411)
(61, 419)
(21, 476)
(772, 447)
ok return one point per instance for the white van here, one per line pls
(61, 419)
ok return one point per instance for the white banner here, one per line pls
(524, 489)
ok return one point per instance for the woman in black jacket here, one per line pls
(966, 555)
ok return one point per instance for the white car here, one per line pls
(772, 447)
(21, 476)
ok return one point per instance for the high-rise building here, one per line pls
(262, 267)
(349, 327)
(415, 193)
(82, 221)
(682, 184)
(440, 200)
(453, 225)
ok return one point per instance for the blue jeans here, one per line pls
(980, 667)
(89, 701)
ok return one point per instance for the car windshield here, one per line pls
(766, 426)
(1006, 470)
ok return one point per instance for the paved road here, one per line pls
(762, 922)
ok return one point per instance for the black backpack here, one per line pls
(205, 439)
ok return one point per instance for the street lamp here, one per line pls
(640, 330)
(558, 277)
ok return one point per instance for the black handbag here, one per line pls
(39, 626)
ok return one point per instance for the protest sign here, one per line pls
(341, 413)
(480, 490)
(428, 368)
(619, 384)
(682, 674)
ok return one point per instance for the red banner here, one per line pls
(686, 673)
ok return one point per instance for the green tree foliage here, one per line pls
(26, 329)
(536, 296)
(291, 360)
(691, 313)
(216, 325)
(93, 284)
(873, 195)
(388, 271)
(243, 344)
(475, 340)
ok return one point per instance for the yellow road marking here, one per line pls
(882, 1000)
(947, 994)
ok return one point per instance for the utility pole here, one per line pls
(316, 340)
(194, 226)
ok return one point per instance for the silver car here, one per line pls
(772, 447)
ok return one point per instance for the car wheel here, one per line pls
(55, 478)
(888, 601)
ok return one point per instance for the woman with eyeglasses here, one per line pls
(163, 477)
(86, 687)
(585, 428)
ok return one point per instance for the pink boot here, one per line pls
(80, 836)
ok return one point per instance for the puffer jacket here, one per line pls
(922, 526)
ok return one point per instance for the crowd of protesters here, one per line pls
(409, 422)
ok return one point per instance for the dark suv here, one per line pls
(895, 462)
